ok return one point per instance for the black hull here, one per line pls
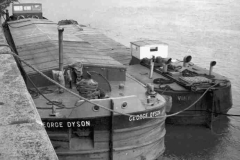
(82, 130)
(217, 100)
(116, 136)
(204, 111)
(102, 123)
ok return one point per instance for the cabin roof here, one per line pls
(148, 42)
(37, 43)
(24, 4)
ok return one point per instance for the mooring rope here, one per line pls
(80, 97)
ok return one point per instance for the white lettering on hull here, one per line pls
(68, 124)
(142, 116)
(183, 98)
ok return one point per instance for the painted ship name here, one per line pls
(143, 115)
(67, 124)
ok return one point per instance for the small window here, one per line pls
(18, 8)
(36, 7)
(27, 8)
(134, 47)
(153, 49)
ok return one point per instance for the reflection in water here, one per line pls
(197, 142)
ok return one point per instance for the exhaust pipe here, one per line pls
(58, 75)
(7, 15)
(166, 62)
(212, 63)
(60, 42)
(186, 60)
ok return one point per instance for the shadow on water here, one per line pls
(195, 142)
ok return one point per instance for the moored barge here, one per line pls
(185, 84)
(113, 116)
(199, 95)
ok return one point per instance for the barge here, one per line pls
(89, 104)
(198, 95)
(187, 83)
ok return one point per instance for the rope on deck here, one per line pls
(86, 100)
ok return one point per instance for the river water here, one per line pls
(206, 29)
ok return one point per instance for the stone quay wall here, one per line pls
(22, 134)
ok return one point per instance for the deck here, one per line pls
(37, 43)
(101, 42)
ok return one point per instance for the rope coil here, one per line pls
(88, 88)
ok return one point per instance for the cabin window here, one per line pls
(134, 47)
(153, 49)
(18, 8)
(36, 7)
(27, 8)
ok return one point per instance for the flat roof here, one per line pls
(147, 42)
(23, 4)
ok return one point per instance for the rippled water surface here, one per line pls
(207, 29)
